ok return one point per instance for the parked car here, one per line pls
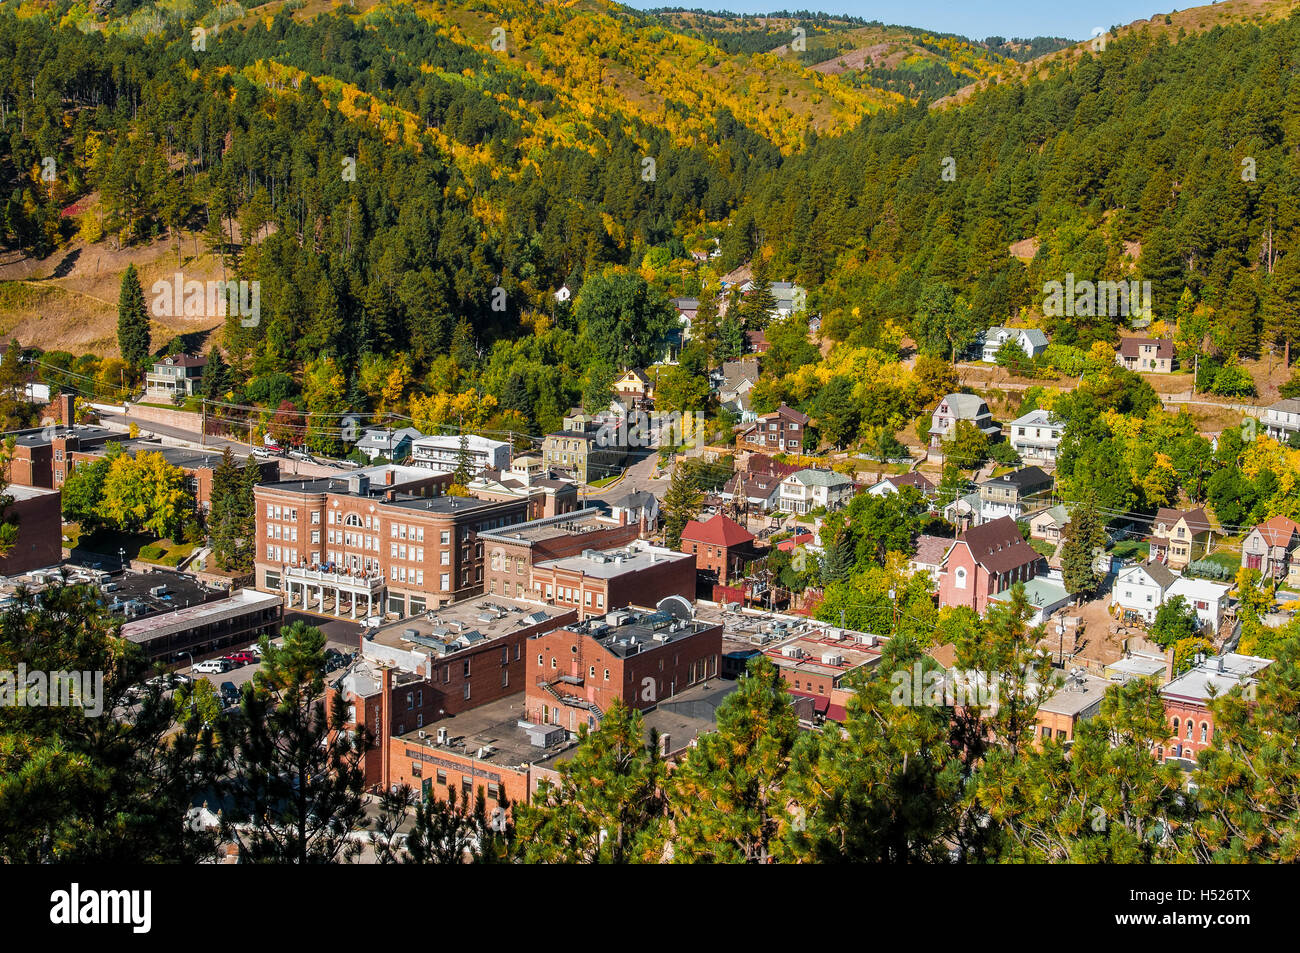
(229, 694)
(241, 658)
(213, 666)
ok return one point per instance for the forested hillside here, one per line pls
(411, 184)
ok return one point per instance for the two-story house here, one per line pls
(1268, 547)
(174, 374)
(1036, 436)
(720, 545)
(758, 483)
(808, 490)
(1030, 340)
(1282, 419)
(392, 445)
(737, 379)
(1139, 591)
(1180, 536)
(1208, 599)
(781, 431)
(1011, 493)
(634, 390)
(956, 407)
(983, 561)
(1154, 355)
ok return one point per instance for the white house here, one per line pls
(806, 490)
(1282, 419)
(1139, 591)
(1031, 340)
(386, 442)
(1209, 599)
(442, 452)
(955, 407)
(1036, 436)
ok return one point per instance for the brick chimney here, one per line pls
(67, 409)
(1169, 665)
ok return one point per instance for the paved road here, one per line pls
(176, 433)
(639, 476)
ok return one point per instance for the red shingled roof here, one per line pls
(718, 530)
(1278, 531)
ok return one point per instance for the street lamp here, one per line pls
(121, 558)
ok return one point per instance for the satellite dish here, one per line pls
(677, 607)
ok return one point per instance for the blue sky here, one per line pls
(974, 18)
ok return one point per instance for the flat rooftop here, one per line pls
(498, 725)
(609, 563)
(585, 520)
(1075, 695)
(245, 600)
(464, 624)
(377, 477)
(745, 628)
(631, 631)
(85, 433)
(823, 654)
(1136, 666)
(20, 493)
(495, 725)
(1216, 676)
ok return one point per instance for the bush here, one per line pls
(1004, 454)
(1233, 381)
(151, 552)
(1209, 569)
(1066, 359)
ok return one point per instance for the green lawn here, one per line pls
(165, 553)
(1043, 547)
(1132, 549)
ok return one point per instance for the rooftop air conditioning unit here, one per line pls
(792, 651)
(832, 658)
(442, 736)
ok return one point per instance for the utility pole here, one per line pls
(203, 421)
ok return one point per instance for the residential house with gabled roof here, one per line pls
(955, 407)
(721, 546)
(737, 380)
(1036, 436)
(781, 431)
(1139, 591)
(758, 483)
(392, 445)
(928, 558)
(1010, 493)
(983, 561)
(634, 389)
(1030, 340)
(1282, 419)
(1268, 547)
(892, 484)
(174, 374)
(1153, 355)
(1180, 536)
(1208, 599)
(809, 489)
(1049, 524)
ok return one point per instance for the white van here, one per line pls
(214, 666)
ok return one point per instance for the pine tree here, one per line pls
(608, 807)
(297, 778)
(464, 471)
(132, 320)
(727, 797)
(216, 376)
(1082, 541)
(682, 503)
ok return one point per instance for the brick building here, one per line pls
(781, 431)
(45, 458)
(640, 656)
(596, 581)
(816, 664)
(439, 665)
(983, 561)
(511, 553)
(39, 516)
(720, 545)
(382, 540)
(1187, 700)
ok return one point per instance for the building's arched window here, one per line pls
(539, 659)
(959, 578)
(1177, 722)
(352, 519)
(1205, 732)
(1189, 729)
